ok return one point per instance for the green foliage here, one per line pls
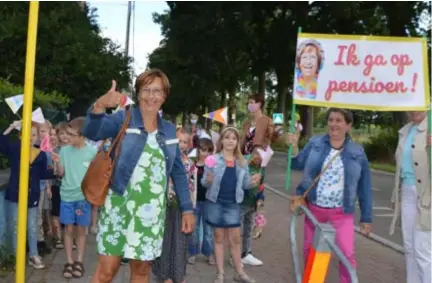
(72, 57)
(210, 50)
(7, 259)
(47, 101)
(382, 146)
(52, 100)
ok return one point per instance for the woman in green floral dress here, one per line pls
(132, 225)
(132, 220)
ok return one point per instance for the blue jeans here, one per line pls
(260, 195)
(194, 243)
(3, 223)
(12, 208)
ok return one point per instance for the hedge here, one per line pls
(53, 106)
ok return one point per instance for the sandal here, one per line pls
(59, 245)
(78, 269)
(68, 271)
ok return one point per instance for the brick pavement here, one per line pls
(376, 263)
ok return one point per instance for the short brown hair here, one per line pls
(206, 143)
(259, 98)
(148, 76)
(77, 124)
(306, 47)
(348, 115)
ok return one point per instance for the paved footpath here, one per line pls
(376, 263)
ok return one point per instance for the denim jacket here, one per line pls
(356, 173)
(102, 126)
(243, 179)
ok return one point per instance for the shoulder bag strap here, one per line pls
(321, 173)
(117, 141)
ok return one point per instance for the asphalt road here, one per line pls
(275, 178)
(382, 189)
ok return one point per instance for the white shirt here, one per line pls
(331, 184)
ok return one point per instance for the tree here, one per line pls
(72, 58)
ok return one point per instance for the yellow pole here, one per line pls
(25, 142)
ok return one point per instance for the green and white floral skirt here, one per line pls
(132, 226)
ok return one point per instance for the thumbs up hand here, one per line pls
(111, 99)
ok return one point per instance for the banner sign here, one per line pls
(362, 72)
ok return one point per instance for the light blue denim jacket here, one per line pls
(102, 126)
(356, 172)
(243, 179)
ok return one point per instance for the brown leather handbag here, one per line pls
(296, 201)
(97, 180)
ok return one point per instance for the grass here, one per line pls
(7, 261)
(360, 137)
(387, 167)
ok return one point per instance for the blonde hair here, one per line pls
(237, 152)
(46, 124)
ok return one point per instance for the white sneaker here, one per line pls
(36, 262)
(251, 260)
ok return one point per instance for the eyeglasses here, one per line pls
(156, 91)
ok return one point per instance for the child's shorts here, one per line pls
(75, 213)
(223, 215)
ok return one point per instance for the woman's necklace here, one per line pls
(337, 144)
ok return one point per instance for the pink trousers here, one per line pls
(344, 225)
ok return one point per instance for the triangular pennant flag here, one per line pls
(193, 153)
(15, 102)
(125, 101)
(220, 115)
(18, 127)
(128, 101)
(38, 117)
(265, 156)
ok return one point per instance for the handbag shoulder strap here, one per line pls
(118, 139)
(321, 173)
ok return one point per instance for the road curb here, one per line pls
(383, 172)
(373, 237)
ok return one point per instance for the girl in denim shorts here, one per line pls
(226, 176)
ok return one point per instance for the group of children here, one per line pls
(224, 193)
(224, 186)
(55, 202)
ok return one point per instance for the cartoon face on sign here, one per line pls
(309, 61)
